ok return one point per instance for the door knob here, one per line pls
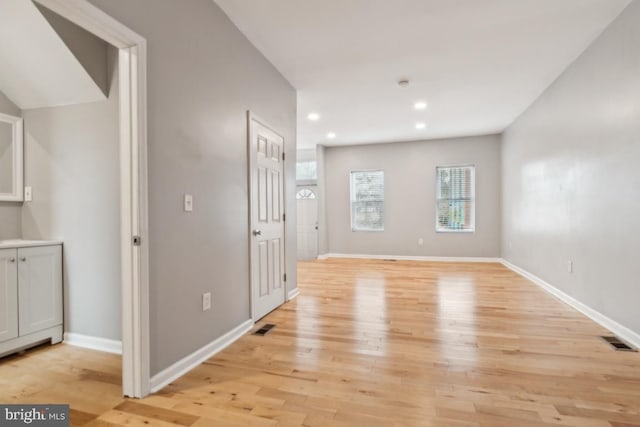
(23, 259)
(257, 232)
(12, 260)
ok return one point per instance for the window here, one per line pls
(455, 198)
(367, 201)
(305, 193)
(306, 171)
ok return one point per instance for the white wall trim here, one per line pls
(186, 364)
(292, 294)
(93, 343)
(621, 331)
(412, 258)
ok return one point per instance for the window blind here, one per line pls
(455, 198)
(367, 201)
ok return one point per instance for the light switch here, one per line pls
(188, 203)
(28, 194)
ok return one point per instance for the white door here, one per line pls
(266, 188)
(8, 294)
(307, 223)
(39, 288)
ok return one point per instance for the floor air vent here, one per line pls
(617, 344)
(264, 330)
(390, 260)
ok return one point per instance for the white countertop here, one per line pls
(19, 243)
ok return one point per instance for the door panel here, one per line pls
(8, 294)
(263, 265)
(40, 288)
(275, 196)
(307, 230)
(262, 195)
(275, 264)
(266, 167)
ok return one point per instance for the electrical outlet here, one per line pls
(188, 203)
(206, 301)
(570, 266)
(420, 241)
(28, 194)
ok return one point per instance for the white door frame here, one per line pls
(250, 163)
(133, 184)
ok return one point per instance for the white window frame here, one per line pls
(366, 230)
(473, 198)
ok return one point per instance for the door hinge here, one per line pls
(282, 156)
(137, 240)
(285, 277)
(284, 217)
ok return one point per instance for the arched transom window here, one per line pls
(305, 193)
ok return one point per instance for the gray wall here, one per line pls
(9, 211)
(571, 181)
(409, 173)
(72, 163)
(89, 50)
(8, 107)
(321, 194)
(203, 75)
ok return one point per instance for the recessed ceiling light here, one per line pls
(331, 135)
(421, 125)
(403, 82)
(313, 117)
(420, 105)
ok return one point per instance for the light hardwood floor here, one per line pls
(373, 343)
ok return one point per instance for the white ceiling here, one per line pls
(38, 69)
(478, 63)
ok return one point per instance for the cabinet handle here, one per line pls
(23, 259)
(12, 260)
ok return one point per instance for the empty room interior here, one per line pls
(320, 213)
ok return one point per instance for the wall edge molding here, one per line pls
(93, 343)
(621, 331)
(293, 293)
(184, 365)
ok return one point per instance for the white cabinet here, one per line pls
(30, 295)
(8, 294)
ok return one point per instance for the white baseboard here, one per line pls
(292, 294)
(186, 364)
(621, 331)
(93, 343)
(412, 258)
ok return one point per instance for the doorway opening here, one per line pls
(133, 184)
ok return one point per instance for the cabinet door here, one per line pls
(39, 288)
(8, 294)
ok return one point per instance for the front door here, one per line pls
(266, 163)
(307, 223)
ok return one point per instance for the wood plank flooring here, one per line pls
(373, 343)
